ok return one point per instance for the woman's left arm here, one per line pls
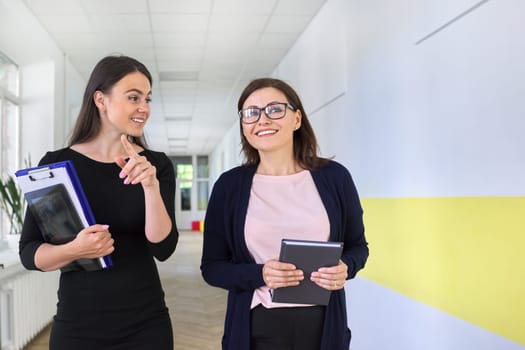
(355, 248)
(158, 223)
(159, 192)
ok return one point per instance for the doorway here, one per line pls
(192, 189)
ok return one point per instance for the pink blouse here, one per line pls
(282, 207)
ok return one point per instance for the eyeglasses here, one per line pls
(274, 110)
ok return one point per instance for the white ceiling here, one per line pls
(201, 54)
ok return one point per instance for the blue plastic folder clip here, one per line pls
(59, 205)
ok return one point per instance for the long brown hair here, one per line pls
(104, 76)
(305, 147)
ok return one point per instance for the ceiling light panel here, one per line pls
(178, 76)
(178, 40)
(66, 24)
(98, 7)
(121, 23)
(55, 7)
(70, 41)
(178, 109)
(177, 129)
(225, 24)
(179, 22)
(299, 7)
(178, 119)
(176, 86)
(244, 6)
(115, 39)
(182, 54)
(277, 40)
(287, 24)
(193, 6)
(168, 65)
(175, 98)
(177, 141)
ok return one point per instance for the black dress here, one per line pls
(121, 307)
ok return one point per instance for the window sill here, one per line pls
(9, 251)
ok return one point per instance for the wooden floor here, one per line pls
(196, 309)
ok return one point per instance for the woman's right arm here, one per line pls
(90, 243)
(218, 265)
(31, 238)
(35, 254)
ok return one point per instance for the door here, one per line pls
(191, 193)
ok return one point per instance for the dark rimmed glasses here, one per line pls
(273, 110)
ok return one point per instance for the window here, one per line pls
(202, 182)
(185, 176)
(9, 125)
(9, 135)
(192, 174)
(9, 76)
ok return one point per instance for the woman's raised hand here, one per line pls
(137, 169)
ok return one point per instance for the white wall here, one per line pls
(38, 109)
(442, 108)
(381, 318)
(45, 76)
(440, 117)
(227, 154)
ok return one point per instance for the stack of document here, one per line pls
(57, 201)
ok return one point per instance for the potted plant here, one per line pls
(12, 203)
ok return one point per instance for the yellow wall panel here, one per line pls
(462, 255)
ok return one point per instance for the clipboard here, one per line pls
(308, 256)
(56, 199)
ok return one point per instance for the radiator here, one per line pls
(27, 305)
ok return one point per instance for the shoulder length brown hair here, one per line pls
(104, 76)
(305, 147)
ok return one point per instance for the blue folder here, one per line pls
(58, 203)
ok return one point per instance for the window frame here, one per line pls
(9, 129)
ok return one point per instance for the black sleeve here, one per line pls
(31, 237)
(218, 267)
(355, 251)
(166, 175)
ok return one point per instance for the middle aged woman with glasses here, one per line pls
(283, 190)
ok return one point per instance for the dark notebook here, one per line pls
(55, 198)
(308, 256)
(58, 221)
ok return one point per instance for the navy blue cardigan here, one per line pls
(227, 263)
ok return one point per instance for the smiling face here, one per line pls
(125, 109)
(267, 135)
